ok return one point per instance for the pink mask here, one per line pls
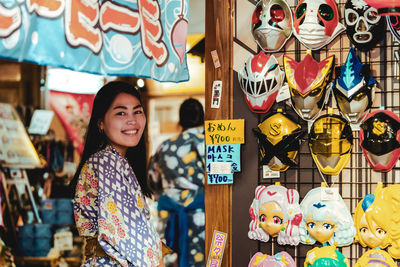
(260, 80)
(385, 7)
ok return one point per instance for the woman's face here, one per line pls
(374, 237)
(321, 231)
(124, 122)
(271, 218)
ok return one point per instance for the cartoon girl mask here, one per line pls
(380, 139)
(271, 24)
(308, 81)
(279, 140)
(275, 212)
(376, 219)
(316, 23)
(278, 260)
(364, 27)
(375, 257)
(326, 221)
(330, 141)
(260, 80)
(386, 7)
(394, 26)
(354, 88)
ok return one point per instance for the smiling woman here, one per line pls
(113, 161)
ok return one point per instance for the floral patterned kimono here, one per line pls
(110, 207)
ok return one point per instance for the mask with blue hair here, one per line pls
(354, 88)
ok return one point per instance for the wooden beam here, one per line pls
(219, 37)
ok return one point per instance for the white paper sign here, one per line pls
(283, 94)
(216, 94)
(220, 167)
(329, 193)
(40, 121)
(268, 173)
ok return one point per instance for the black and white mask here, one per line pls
(364, 27)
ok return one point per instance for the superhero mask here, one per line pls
(260, 80)
(364, 27)
(275, 212)
(279, 138)
(330, 141)
(281, 259)
(386, 7)
(394, 26)
(271, 24)
(316, 23)
(308, 81)
(354, 88)
(380, 139)
(375, 257)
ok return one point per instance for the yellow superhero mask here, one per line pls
(279, 140)
(330, 141)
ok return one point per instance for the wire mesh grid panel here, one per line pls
(355, 181)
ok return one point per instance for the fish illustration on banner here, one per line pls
(143, 38)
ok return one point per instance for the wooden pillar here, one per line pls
(219, 37)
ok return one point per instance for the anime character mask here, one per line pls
(316, 23)
(386, 7)
(260, 80)
(327, 221)
(364, 27)
(279, 140)
(271, 24)
(308, 81)
(330, 141)
(380, 139)
(325, 256)
(394, 26)
(375, 257)
(275, 212)
(281, 259)
(354, 88)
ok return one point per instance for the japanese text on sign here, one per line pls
(224, 132)
(216, 249)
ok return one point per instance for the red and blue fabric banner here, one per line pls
(142, 38)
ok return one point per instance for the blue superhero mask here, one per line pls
(354, 88)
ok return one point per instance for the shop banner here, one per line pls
(142, 38)
(74, 112)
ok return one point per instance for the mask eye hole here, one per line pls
(360, 96)
(351, 17)
(371, 15)
(277, 13)
(325, 12)
(315, 92)
(395, 21)
(300, 11)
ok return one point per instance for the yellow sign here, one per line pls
(224, 132)
(217, 249)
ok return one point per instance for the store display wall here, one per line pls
(355, 180)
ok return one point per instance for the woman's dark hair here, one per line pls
(96, 140)
(191, 114)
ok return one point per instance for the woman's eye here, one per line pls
(277, 220)
(138, 111)
(121, 113)
(311, 225)
(380, 231)
(363, 230)
(328, 226)
(263, 218)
